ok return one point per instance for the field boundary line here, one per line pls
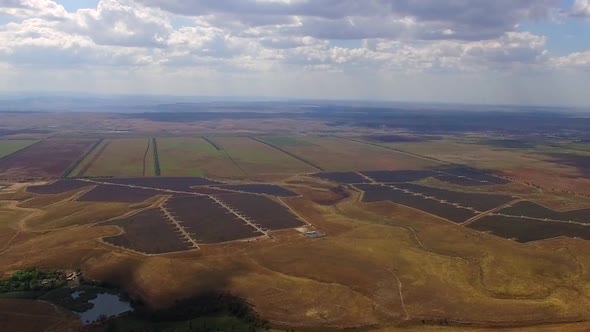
(76, 163)
(239, 215)
(145, 154)
(176, 223)
(294, 212)
(99, 152)
(220, 148)
(22, 149)
(366, 177)
(487, 213)
(438, 161)
(147, 188)
(261, 141)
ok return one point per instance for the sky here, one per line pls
(459, 51)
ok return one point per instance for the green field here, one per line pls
(257, 158)
(10, 146)
(124, 157)
(337, 154)
(187, 156)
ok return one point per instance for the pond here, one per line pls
(104, 305)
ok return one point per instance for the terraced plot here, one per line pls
(399, 176)
(193, 157)
(378, 193)
(342, 177)
(526, 230)
(45, 159)
(532, 210)
(260, 188)
(263, 211)
(176, 183)
(207, 221)
(474, 175)
(148, 232)
(107, 193)
(124, 157)
(479, 202)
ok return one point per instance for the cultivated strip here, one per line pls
(70, 169)
(94, 158)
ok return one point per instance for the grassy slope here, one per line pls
(123, 157)
(10, 146)
(193, 157)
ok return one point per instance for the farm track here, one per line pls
(23, 149)
(94, 158)
(76, 163)
(178, 226)
(239, 215)
(371, 180)
(487, 213)
(287, 153)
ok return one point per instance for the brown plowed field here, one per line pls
(148, 232)
(207, 221)
(107, 193)
(46, 159)
(263, 211)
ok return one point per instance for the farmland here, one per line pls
(193, 157)
(46, 159)
(148, 232)
(335, 154)
(526, 230)
(263, 211)
(124, 157)
(253, 157)
(233, 216)
(262, 189)
(10, 146)
(207, 221)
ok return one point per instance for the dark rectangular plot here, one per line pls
(149, 232)
(376, 193)
(480, 202)
(474, 174)
(399, 176)
(526, 230)
(178, 184)
(207, 221)
(122, 194)
(530, 209)
(342, 177)
(462, 181)
(264, 189)
(45, 159)
(263, 211)
(58, 187)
